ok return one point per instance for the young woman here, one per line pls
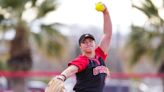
(89, 67)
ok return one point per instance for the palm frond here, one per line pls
(51, 41)
(150, 10)
(15, 4)
(141, 9)
(158, 53)
(38, 39)
(46, 7)
(54, 48)
(140, 41)
(52, 32)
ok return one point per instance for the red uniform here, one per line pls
(91, 72)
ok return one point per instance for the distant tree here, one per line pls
(48, 38)
(148, 41)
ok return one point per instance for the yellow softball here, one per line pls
(99, 6)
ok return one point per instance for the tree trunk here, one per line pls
(20, 58)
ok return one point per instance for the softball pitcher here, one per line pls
(89, 67)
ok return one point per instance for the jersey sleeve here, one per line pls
(99, 52)
(81, 63)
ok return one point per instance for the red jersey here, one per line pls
(91, 72)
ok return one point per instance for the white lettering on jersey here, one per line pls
(100, 69)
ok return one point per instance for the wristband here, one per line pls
(63, 76)
(60, 79)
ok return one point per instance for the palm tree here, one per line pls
(148, 41)
(48, 38)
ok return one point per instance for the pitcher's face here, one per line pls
(88, 45)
